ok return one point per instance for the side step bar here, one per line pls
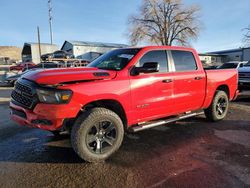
(162, 122)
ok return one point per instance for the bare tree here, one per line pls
(246, 38)
(164, 22)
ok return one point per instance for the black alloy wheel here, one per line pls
(101, 137)
(221, 106)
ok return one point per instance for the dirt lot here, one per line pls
(192, 153)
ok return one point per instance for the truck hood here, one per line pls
(67, 75)
(244, 69)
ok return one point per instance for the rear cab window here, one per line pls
(183, 61)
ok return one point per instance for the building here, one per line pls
(30, 51)
(239, 54)
(80, 47)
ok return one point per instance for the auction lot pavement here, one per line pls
(192, 153)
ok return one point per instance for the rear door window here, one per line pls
(183, 60)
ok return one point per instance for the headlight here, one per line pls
(54, 96)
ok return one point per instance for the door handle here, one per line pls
(167, 81)
(198, 78)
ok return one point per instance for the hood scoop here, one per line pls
(101, 74)
(68, 75)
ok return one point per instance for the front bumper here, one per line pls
(44, 116)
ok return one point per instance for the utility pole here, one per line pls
(39, 43)
(50, 21)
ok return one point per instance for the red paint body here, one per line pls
(143, 97)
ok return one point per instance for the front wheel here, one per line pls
(97, 134)
(219, 107)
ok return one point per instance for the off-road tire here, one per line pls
(81, 129)
(212, 112)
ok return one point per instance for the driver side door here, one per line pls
(151, 93)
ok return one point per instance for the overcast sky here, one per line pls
(106, 21)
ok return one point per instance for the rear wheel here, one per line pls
(219, 107)
(97, 134)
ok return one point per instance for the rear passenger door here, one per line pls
(189, 81)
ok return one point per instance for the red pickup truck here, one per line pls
(125, 89)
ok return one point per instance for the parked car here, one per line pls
(129, 89)
(88, 57)
(45, 65)
(233, 65)
(244, 77)
(21, 66)
(46, 57)
(13, 78)
(210, 67)
(61, 54)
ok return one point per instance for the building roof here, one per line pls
(229, 51)
(42, 44)
(95, 44)
(210, 54)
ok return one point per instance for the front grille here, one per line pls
(24, 94)
(26, 101)
(23, 88)
(244, 75)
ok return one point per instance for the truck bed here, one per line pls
(220, 77)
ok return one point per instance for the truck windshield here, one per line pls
(115, 59)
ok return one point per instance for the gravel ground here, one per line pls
(192, 153)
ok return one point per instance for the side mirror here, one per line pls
(241, 65)
(148, 67)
